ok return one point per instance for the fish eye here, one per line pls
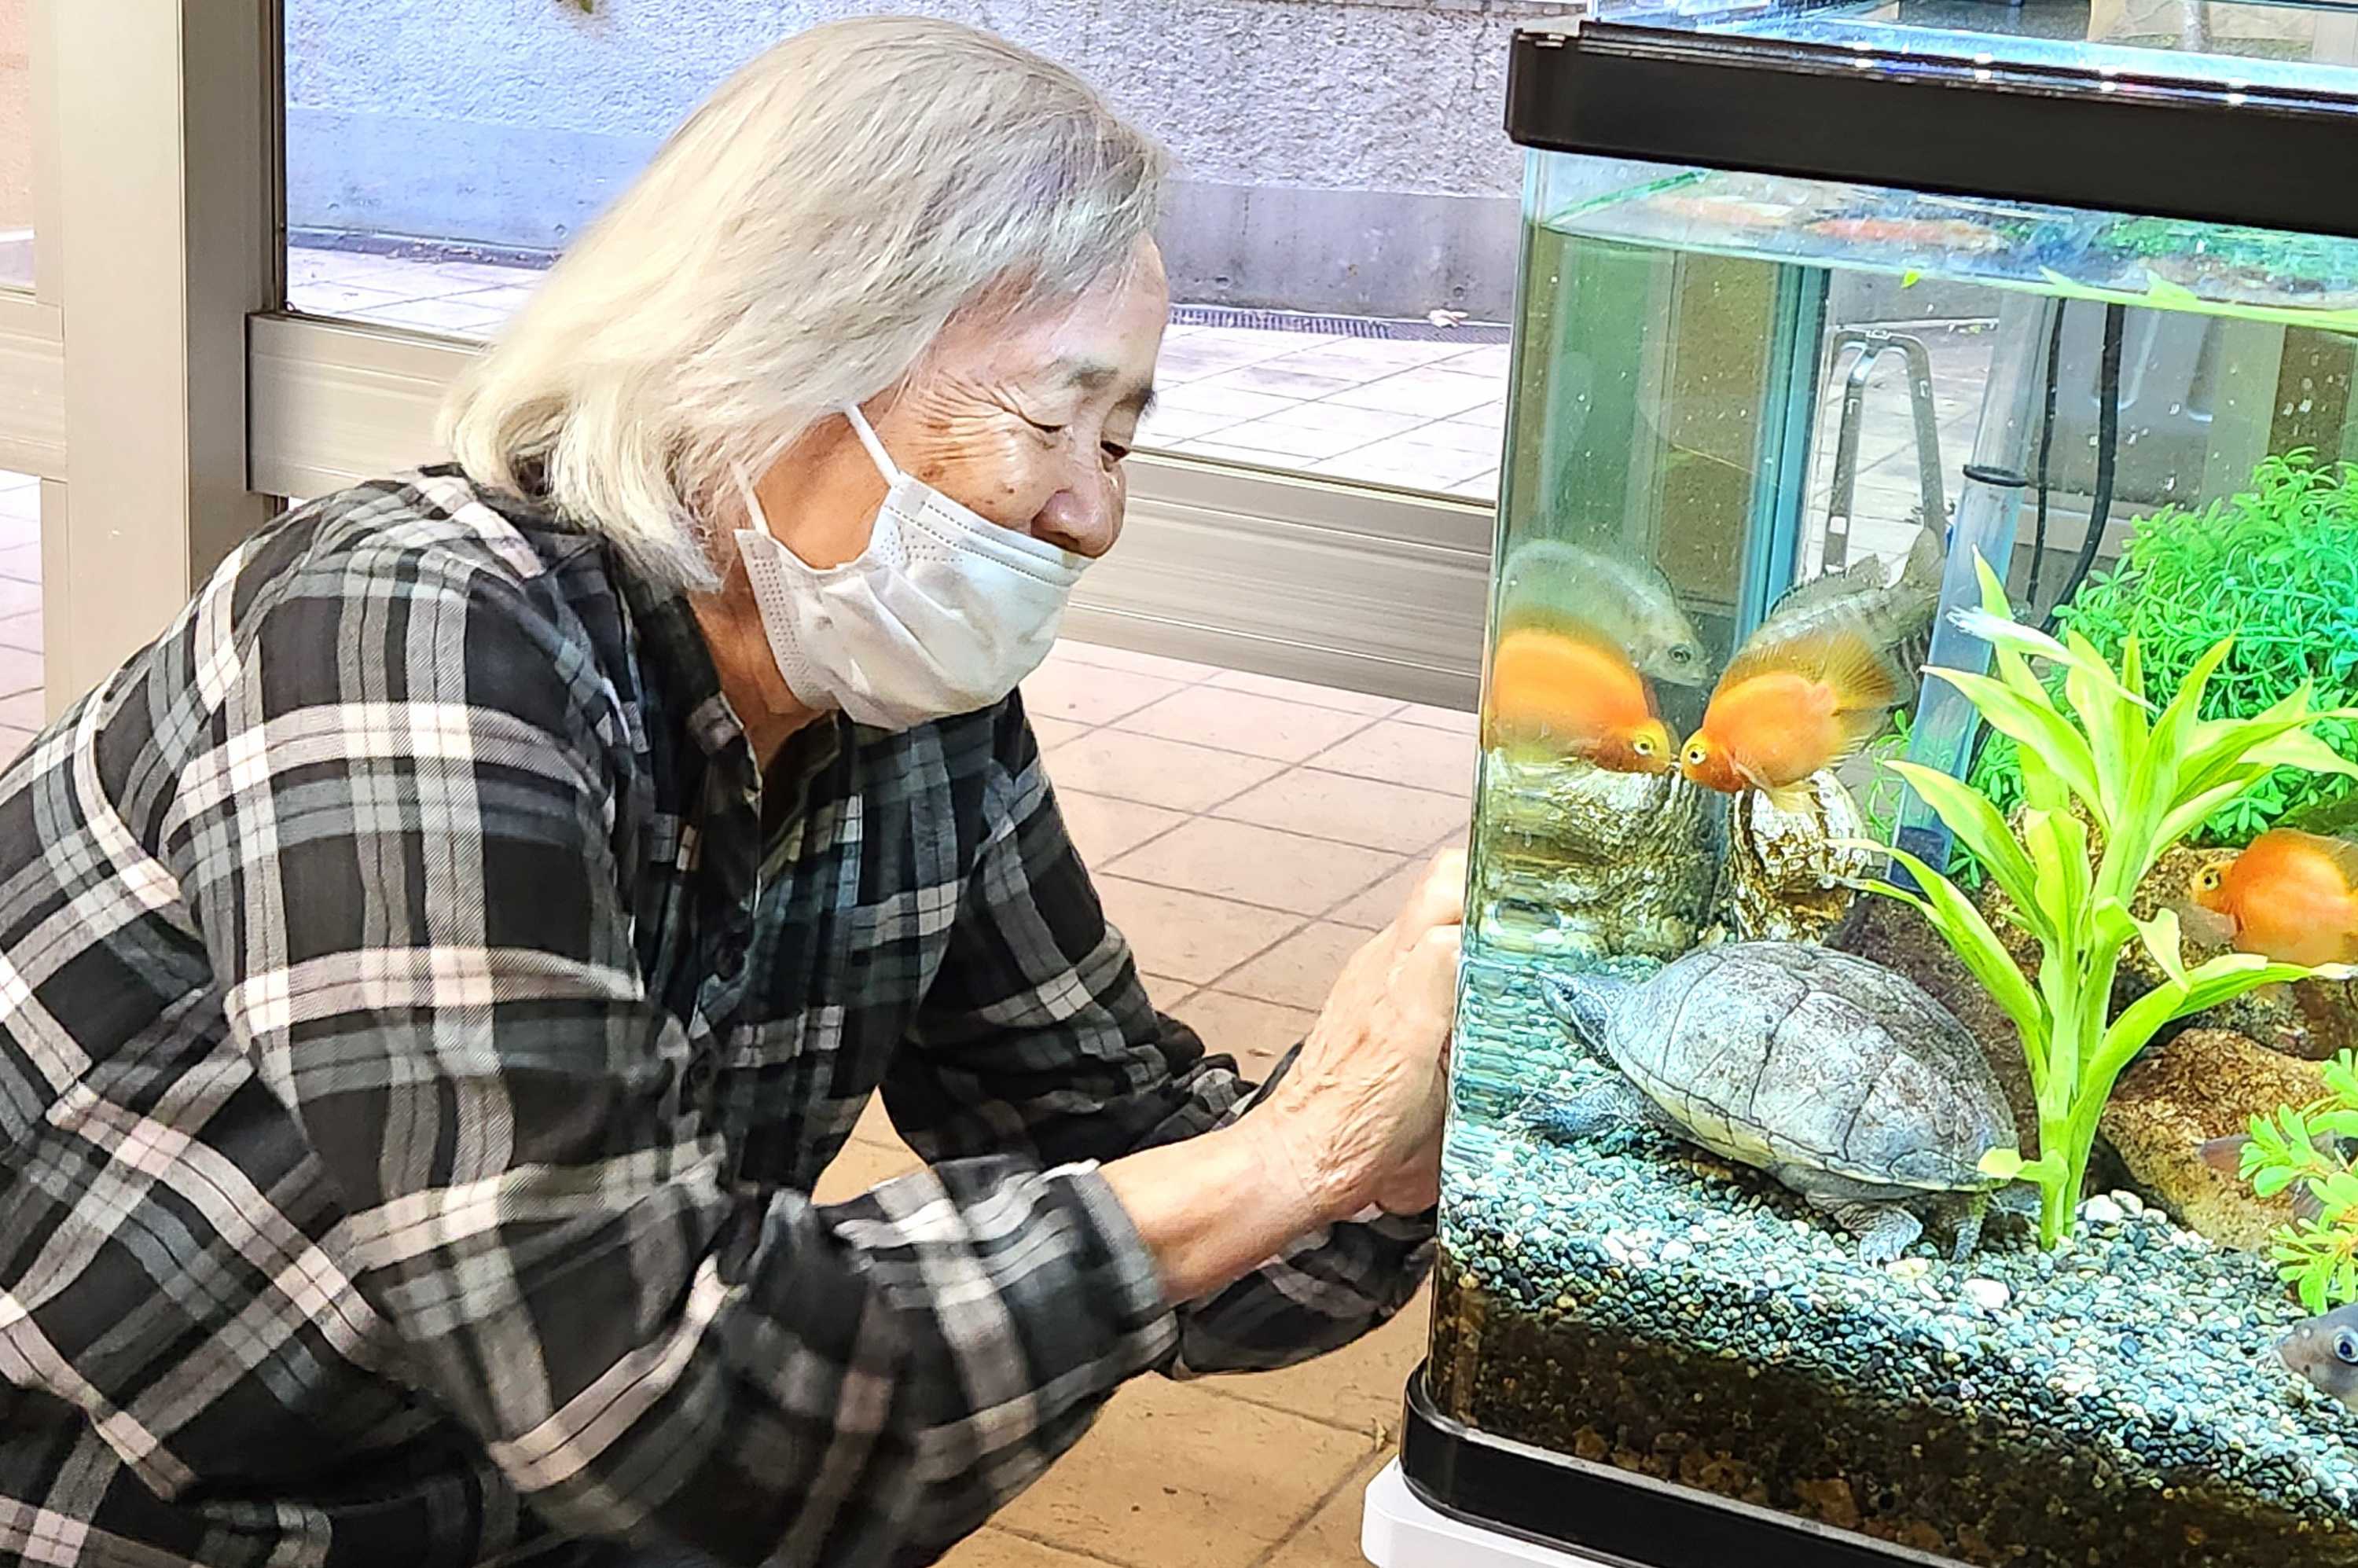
(1681, 654)
(2209, 878)
(1643, 748)
(1694, 754)
(2345, 1346)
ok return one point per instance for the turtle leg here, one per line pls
(1884, 1229)
(1616, 1102)
(1969, 1212)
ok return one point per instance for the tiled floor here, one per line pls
(1417, 416)
(20, 611)
(1246, 836)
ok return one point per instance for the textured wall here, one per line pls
(15, 127)
(511, 121)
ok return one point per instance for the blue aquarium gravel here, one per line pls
(1637, 1299)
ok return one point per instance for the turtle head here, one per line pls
(1584, 1004)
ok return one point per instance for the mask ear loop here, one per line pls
(866, 434)
(755, 518)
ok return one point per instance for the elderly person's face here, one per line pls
(1025, 420)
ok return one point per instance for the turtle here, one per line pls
(1838, 1077)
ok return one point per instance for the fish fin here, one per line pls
(2345, 856)
(1792, 799)
(1841, 656)
(2226, 1155)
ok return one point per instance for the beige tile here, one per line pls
(1169, 773)
(19, 671)
(1186, 936)
(862, 1165)
(1359, 1387)
(23, 710)
(1176, 1476)
(1239, 721)
(1304, 692)
(1330, 1537)
(1435, 392)
(1054, 732)
(13, 741)
(23, 631)
(1374, 907)
(1366, 812)
(1104, 828)
(991, 1547)
(1316, 430)
(18, 598)
(1403, 754)
(1257, 1034)
(1456, 720)
(22, 562)
(1090, 694)
(875, 1126)
(1253, 865)
(1167, 991)
(1185, 671)
(1300, 970)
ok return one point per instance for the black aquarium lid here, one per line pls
(1962, 99)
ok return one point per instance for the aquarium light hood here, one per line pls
(1950, 113)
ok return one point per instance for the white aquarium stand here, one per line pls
(1397, 1530)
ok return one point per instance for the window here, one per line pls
(1341, 245)
(16, 144)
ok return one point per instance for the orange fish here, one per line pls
(1789, 708)
(1575, 692)
(2292, 896)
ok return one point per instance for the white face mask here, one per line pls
(943, 613)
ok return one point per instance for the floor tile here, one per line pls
(1189, 398)
(1405, 465)
(1376, 905)
(1436, 394)
(1166, 992)
(1253, 865)
(1111, 657)
(13, 741)
(19, 671)
(1218, 451)
(875, 1126)
(1299, 972)
(1257, 1034)
(1239, 721)
(1474, 438)
(1350, 810)
(21, 630)
(18, 598)
(1276, 378)
(1104, 828)
(1090, 694)
(1049, 732)
(1188, 935)
(1173, 1477)
(24, 710)
(1284, 690)
(1321, 430)
(1167, 428)
(22, 562)
(1169, 773)
(1330, 1539)
(1399, 752)
(1481, 487)
(1456, 720)
(992, 1547)
(862, 1165)
(448, 316)
(1360, 1387)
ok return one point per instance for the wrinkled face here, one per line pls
(1025, 419)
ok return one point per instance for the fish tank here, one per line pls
(1900, 1100)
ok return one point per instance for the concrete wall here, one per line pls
(1334, 155)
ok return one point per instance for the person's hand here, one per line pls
(1357, 1120)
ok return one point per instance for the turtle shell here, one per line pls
(1786, 1054)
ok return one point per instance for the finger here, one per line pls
(1424, 982)
(1439, 898)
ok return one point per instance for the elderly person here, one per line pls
(437, 967)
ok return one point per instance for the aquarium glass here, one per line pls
(1724, 1116)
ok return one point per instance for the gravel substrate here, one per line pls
(1635, 1300)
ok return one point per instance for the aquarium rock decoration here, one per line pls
(1789, 875)
(1834, 1075)
(2178, 1097)
(1583, 863)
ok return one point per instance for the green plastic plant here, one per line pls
(2276, 568)
(2140, 783)
(2300, 1145)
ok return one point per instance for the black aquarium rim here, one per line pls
(2106, 141)
(1593, 1510)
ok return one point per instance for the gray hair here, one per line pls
(796, 246)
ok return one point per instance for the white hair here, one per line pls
(796, 246)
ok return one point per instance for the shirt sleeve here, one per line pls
(1038, 1037)
(395, 840)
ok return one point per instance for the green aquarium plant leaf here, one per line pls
(2301, 1146)
(2114, 785)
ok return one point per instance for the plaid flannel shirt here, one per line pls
(416, 1051)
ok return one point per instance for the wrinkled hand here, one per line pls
(1358, 1118)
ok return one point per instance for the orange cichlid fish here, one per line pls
(2291, 896)
(1575, 692)
(1791, 707)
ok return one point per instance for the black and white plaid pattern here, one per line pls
(420, 1026)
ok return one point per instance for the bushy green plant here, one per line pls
(2143, 781)
(2276, 568)
(2301, 1146)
